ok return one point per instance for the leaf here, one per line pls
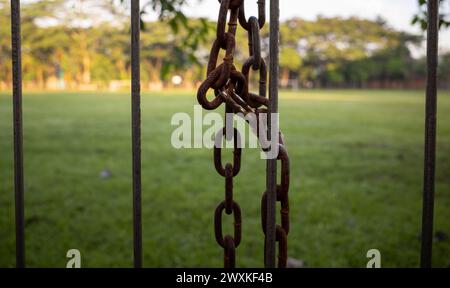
(423, 24)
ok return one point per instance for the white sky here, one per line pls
(398, 13)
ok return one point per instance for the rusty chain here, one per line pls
(282, 197)
(230, 87)
(229, 243)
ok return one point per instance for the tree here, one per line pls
(421, 17)
(5, 44)
(289, 61)
(170, 12)
(324, 52)
(334, 51)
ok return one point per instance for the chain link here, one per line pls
(231, 88)
(282, 196)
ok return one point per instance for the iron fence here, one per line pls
(430, 134)
(429, 150)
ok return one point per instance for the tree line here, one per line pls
(87, 47)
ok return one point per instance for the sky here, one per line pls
(398, 13)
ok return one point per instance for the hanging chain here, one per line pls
(231, 88)
(282, 197)
(229, 243)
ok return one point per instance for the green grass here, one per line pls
(356, 181)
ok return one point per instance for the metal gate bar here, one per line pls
(269, 257)
(430, 134)
(136, 132)
(18, 134)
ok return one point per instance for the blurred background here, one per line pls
(83, 45)
(352, 75)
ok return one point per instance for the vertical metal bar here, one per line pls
(136, 132)
(430, 134)
(18, 134)
(271, 180)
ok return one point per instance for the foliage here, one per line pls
(421, 17)
(170, 12)
(82, 48)
(349, 52)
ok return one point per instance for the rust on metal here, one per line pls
(231, 87)
(271, 166)
(136, 132)
(18, 133)
(430, 135)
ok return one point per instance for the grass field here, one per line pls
(356, 181)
